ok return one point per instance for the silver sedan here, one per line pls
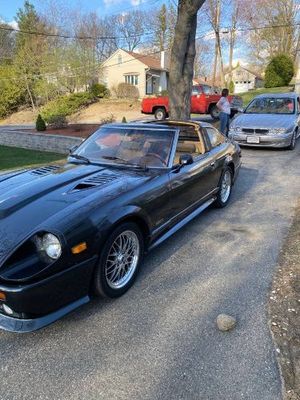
(270, 120)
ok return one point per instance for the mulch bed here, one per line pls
(284, 308)
(75, 130)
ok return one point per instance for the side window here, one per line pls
(188, 143)
(215, 137)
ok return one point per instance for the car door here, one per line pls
(298, 115)
(217, 144)
(198, 103)
(190, 185)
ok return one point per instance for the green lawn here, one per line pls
(248, 96)
(14, 157)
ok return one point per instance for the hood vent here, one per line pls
(95, 181)
(45, 170)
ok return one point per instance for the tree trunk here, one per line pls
(215, 64)
(182, 59)
(29, 94)
(221, 58)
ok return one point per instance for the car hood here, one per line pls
(30, 198)
(270, 121)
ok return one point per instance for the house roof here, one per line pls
(246, 69)
(151, 61)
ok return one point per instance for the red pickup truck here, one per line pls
(203, 101)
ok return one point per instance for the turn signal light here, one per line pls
(79, 248)
(2, 296)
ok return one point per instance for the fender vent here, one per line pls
(95, 181)
(45, 170)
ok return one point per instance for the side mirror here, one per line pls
(186, 159)
(73, 148)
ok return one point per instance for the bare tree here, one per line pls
(7, 43)
(131, 28)
(161, 27)
(182, 58)
(273, 28)
(232, 32)
(213, 12)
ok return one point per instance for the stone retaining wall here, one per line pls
(38, 141)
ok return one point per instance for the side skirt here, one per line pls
(180, 224)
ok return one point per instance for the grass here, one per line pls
(248, 96)
(14, 157)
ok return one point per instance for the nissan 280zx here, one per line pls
(69, 232)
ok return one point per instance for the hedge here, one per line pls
(67, 105)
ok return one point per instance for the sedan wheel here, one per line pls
(224, 193)
(119, 261)
(293, 142)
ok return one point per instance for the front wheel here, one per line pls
(224, 192)
(119, 261)
(293, 142)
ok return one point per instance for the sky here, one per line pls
(8, 8)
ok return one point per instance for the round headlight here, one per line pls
(51, 245)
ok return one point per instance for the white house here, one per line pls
(243, 79)
(148, 73)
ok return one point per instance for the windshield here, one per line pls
(271, 105)
(201, 89)
(129, 146)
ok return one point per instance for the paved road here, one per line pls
(159, 341)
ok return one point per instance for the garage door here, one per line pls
(241, 87)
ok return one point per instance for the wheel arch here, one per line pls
(211, 105)
(232, 167)
(139, 221)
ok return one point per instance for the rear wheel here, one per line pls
(214, 112)
(293, 142)
(160, 114)
(119, 261)
(224, 192)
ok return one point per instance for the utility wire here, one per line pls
(148, 32)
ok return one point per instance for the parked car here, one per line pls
(80, 229)
(203, 101)
(270, 120)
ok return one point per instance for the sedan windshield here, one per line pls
(130, 146)
(271, 105)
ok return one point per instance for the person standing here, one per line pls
(224, 107)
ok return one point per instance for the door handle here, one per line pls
(213, 163)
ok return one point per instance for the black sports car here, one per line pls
(80, 229)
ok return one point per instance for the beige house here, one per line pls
(145, 72)
(243, 79)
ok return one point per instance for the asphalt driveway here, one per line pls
(159, 341)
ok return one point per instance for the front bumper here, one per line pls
(38, 304)
(23, 325)
(279, 141)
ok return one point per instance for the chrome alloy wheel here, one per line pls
(122, 259)
(226, 186)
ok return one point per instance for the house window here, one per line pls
(132, 79)
(120, 59)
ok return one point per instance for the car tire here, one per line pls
(293, 142)
(214, 112)
(125, 245)
(224, 193)
(160, 114)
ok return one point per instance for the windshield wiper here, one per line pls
(126, 162)
(79, 157)
(116, 159)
